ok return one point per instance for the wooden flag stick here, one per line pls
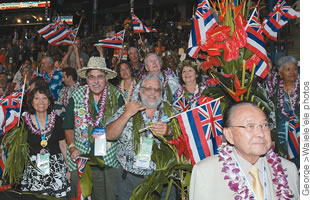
(21, 103)
(78, 28)
(168, 119)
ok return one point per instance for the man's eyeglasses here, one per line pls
(93, 78)
(150, 89)
(253, 127)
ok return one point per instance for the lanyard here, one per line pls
(96, 107)
(42, 136)
(97, 110)
(247, 182)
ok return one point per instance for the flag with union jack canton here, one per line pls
(116, 41)
(10, 111)
(202, 129)
(293, 137)
(277, 18)
(81, 163)
(256, 44)
(68, 40)
(54, 32)
(139, 27)
(202, 22)
(181, 104)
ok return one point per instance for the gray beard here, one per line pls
(148, 104)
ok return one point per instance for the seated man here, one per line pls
(246, 168)
(125, 126)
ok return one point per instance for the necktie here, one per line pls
(256, 184)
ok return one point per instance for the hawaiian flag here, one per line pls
(256, 44)
(181, 104)
(81, 162)
(293, 137)
(10, 111)
(116, 41)
(139, 27)
(277, 18)
(202, 129)
(69, 39)
(54, 32)
(203, 21)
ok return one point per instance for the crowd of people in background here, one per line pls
(152, 69)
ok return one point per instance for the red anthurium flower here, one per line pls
(210, 62)
(240, 21)
(212, 81)
(202, 100)
(251, 61)
(219, 33)
(240, 37)
(180, 144)
(231, 50)
(228, 75)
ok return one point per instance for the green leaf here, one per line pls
(86, 181)
(187, 179)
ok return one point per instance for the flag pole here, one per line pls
(21, 103)
(168, 119)
(78, 28)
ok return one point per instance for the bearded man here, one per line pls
(124, 126)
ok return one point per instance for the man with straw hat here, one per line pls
(86, 115)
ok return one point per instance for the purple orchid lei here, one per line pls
(50, 124)
(294, 99)
(102, 99)
(237, 184)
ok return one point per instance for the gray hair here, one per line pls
(151, 54)
(152, 76)
(49, 60)
(284, 61)
(230, 112)
(136, 49)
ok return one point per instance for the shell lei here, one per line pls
(50, 124)
(102, 100)
(237, 184)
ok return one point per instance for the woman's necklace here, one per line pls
(129, 92)
(37, 131)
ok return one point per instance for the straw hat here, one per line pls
(97, 63)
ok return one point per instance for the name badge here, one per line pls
(100, 141)
(43, 163)
(144, 155)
